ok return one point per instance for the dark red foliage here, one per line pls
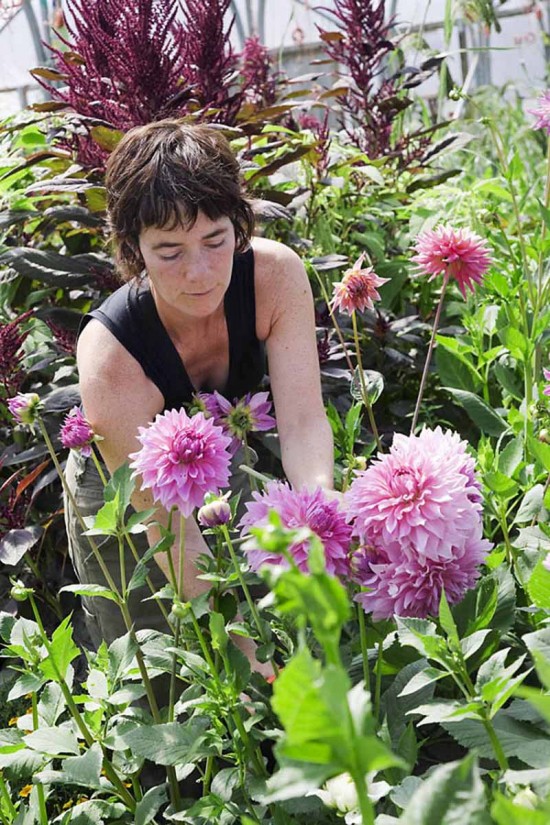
(13, 513)
(130, 62)
(362, 45)
(65, 338)
(259, 80)
(11, 341)
(323, 348)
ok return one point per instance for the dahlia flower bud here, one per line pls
(215, 512)
(25, 407)
(19, 592)
(76, 432)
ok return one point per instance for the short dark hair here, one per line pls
(163, 174)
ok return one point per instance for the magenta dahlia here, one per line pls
(402, 582)
(422, 492)
(76, 432)
(358, 288)
(542, 112)
(546, 390)
(300, 508)
(181, 459)
(453, 253)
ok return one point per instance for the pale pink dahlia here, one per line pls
(542, 112)
(76, 432)
(181, 459)
(402, 582)
(300, 508)
(423, 492)
(454, 253)
(358, 288)
(546, 390)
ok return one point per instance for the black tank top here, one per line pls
(131, 316)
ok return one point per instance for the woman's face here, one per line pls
(189, 269)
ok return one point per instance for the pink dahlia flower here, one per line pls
(300, 508)
(423, 492)
(76, 432)
(244, 415)
(546, 390)
(25, 407)
(206, 403)
(454, 253)
(403, 582)
(181, 459)
(358, 289)
(542, 112)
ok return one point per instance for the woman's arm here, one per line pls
(285, 299)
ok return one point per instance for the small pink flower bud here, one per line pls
(76, 433)
(215, 512)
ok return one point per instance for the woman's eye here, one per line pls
(215, 245)
(169, 257)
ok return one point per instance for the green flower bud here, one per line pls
(19, 592)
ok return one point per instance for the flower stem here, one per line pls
(6, 797)
(497, 747)
(365, 805)
(39, 787)
(378, 683)
(364, 390)
(248, 463)
(364, 648)
(429, 354)
(98, 467)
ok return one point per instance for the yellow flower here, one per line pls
(25, 791)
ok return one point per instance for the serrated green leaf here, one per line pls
(90, 590)
(62, 652)
(538, 586)
(456, 371)
(532, 505)
(172, 743)
(53, 741)
(148, 807)
(511, 457)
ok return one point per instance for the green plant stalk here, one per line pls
(213, 670)
(128, 538)
(543, 232)
(365, 805)
(364, 649)
(39, 787)
(75, 713)
(122, 564)
(335, 323)
(6, 797)
(248, 463)
(108, 578)
(378, 682)
(179, 591)
(364, 391)
(497, 747)
(250, 601)
(429, 353)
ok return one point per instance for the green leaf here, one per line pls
(500, 484)
(83, 771)
(538, 586)
(532, 505)
(519, 740)
(121, 655)
(447, 622)
(422, 635)
(455, 371)
(291, 782)
(453, 793)
(515, 342)
(104, 523)
(483, 416)
(504, 812)
(148, 807)
(53, 741)
(374, 383)
(448, 21)
(541, 451)
(420, 680)
(62, 652)
(120, 487)
(511, 457)
(89, 590)
(172, 743)
(218, 632)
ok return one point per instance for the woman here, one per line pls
(201, 301)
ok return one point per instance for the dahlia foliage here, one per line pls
(182, 459)
(416, 512)
(300, 508)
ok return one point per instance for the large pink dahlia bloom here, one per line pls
(423, 492)
(358, 289)
(454, 253)
(402, 582)
(300, 508)
(181, 459)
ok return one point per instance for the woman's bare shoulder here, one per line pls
(280, 280)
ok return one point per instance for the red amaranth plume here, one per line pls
(11, 341)
(259, 80)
